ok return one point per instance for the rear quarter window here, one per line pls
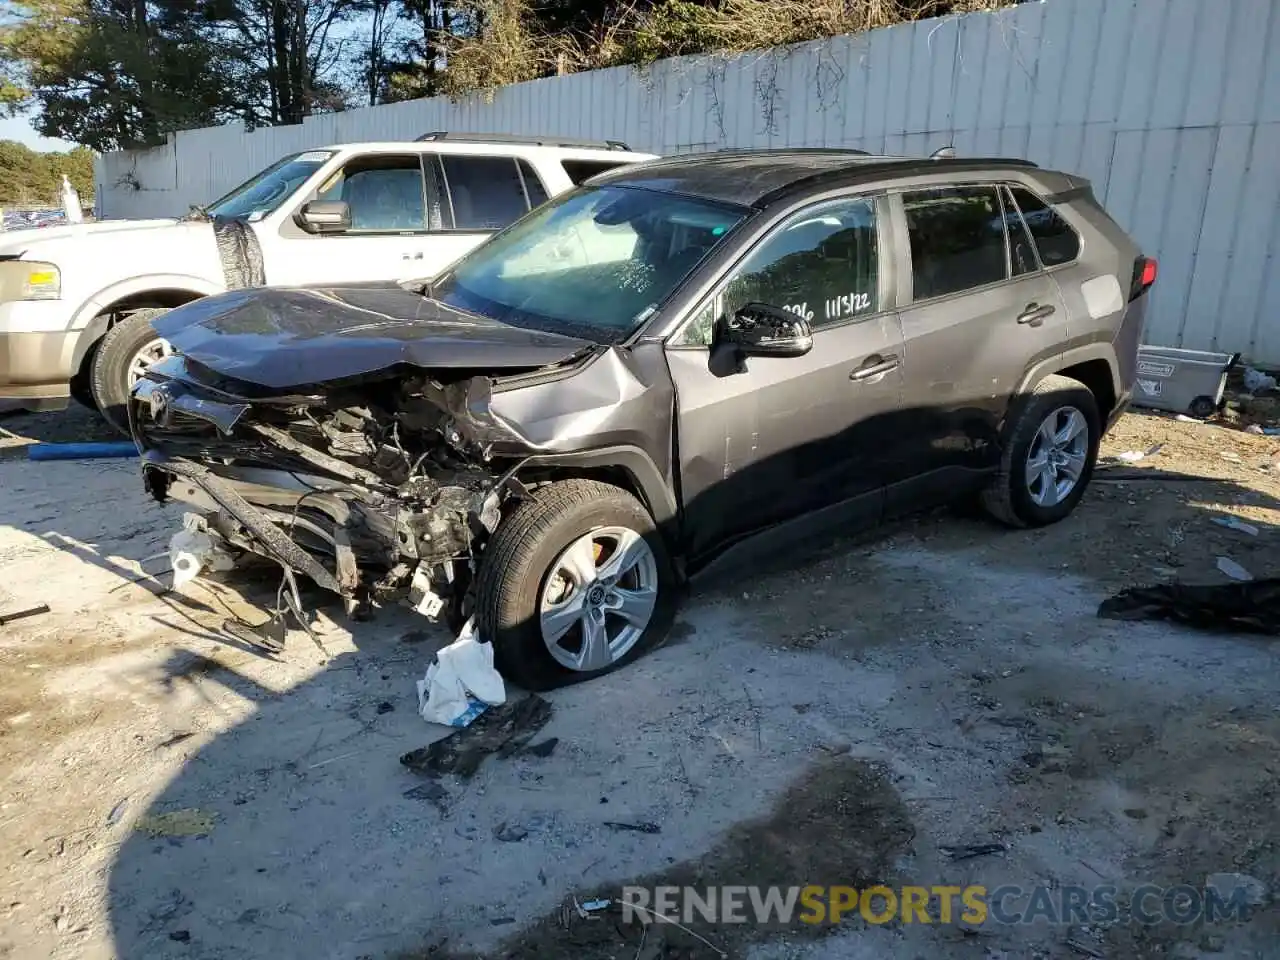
(1055, 239)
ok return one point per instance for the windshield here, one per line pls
(265, 191)
(595, 262)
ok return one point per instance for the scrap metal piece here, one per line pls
(321, 461)
(278, 546)
(9, 616)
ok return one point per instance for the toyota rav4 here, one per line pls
(674, 364)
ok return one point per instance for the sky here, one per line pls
(19, 128)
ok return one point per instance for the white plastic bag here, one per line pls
(1255, 381)
(461, 683)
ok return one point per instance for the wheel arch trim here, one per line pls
(91, 319)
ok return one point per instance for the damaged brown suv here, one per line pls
(677, 363)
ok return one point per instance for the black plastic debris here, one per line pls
(1251, 607)
(970, 850)
(501, 730)
(431, 792)
(642, 827)
(542, 749)
(510, 832)
(117, 812)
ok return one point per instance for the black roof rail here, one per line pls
(766, 151)
(873, 166)
(529, 140)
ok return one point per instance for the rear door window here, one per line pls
(485, 193)
(1054, 237)
(958, 240)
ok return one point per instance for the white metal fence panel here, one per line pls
(1170, 107)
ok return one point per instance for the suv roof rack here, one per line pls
(531, 140)
(787, 150)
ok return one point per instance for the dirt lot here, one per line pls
(170, 790)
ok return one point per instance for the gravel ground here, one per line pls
(170, 790)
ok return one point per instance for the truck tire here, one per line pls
(129, 346)
(1048, 458)
(577, 561)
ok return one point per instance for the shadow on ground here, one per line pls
(313, 840)
(76, 424)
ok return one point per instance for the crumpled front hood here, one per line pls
(285, 338)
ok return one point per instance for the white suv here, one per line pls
(76, 301)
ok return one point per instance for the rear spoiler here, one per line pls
(1081, 191)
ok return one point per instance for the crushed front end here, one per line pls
(378, 490)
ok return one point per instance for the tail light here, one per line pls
(1145, 271)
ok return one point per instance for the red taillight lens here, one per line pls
(1150, 269)
(1144, 275)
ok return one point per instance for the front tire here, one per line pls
(128, 348)
(574, 584)
(1049, 456)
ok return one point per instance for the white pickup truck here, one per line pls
(76, 301)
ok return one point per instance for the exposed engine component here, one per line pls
(387, 498)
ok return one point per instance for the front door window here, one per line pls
(822, 264)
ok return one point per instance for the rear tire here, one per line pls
(528, 571)
(1031, 489)
(119, 357)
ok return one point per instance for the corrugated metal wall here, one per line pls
(1171, 107)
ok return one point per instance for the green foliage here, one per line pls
(109, 73)
(29, 177)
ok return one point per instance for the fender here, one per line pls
(638, 465)
(92, 327)
(1070, 358)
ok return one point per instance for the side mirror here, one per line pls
(759, 330)
(324, 216)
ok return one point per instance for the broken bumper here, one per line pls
(194, 484)
(311, 485)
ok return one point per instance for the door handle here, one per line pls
(1035, 314)
(412, 256)
(876, 366)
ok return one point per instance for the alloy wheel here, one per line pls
(598, 598)
(150, 353)
(1057, 457)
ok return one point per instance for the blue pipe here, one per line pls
(80, 451)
